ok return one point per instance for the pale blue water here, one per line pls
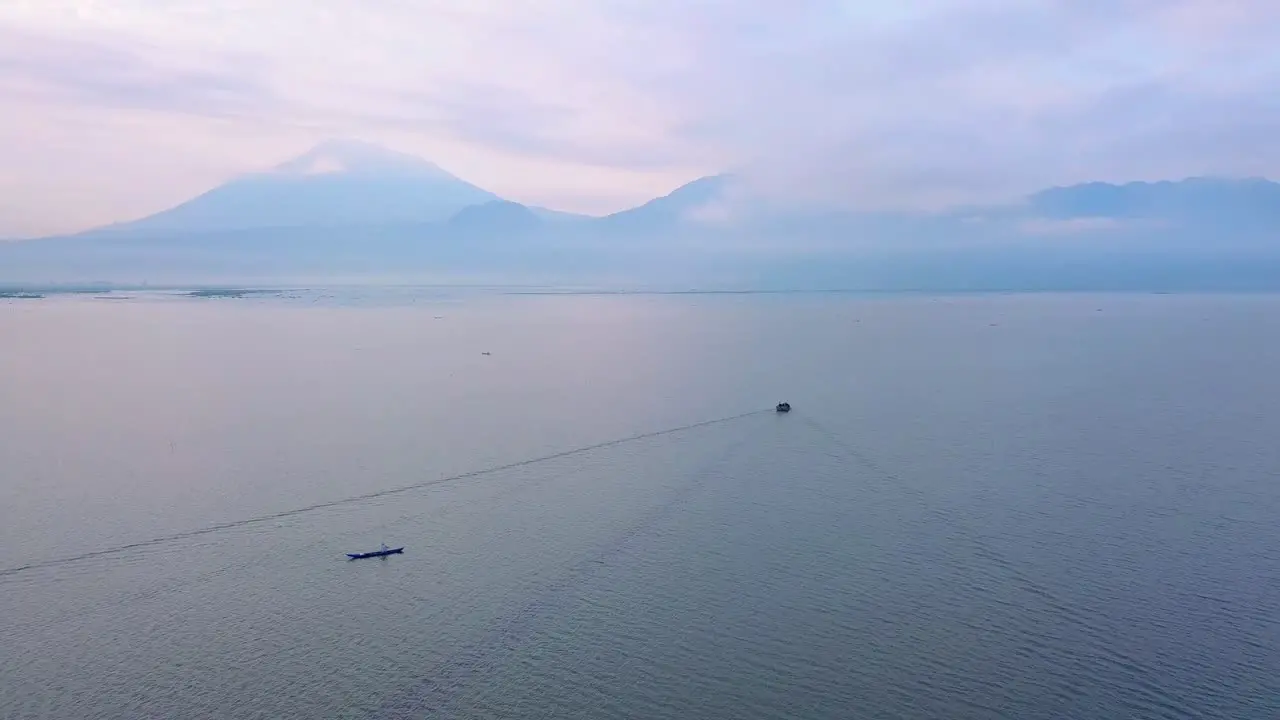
(981, 507)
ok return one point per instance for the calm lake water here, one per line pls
(981, 506)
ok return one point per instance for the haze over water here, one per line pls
(1024, 506)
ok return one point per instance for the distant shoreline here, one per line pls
(215, 292)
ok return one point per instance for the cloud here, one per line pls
(596, 104)
(975, 101)
(93, 75)
(513, 121)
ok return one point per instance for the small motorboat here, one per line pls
(381, 552)
(783, 407)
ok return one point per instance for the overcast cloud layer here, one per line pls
(118, 108)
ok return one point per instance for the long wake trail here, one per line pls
(372, 495)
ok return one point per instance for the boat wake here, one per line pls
(370, 496)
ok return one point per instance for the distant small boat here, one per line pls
(784, 407)
(384, 550)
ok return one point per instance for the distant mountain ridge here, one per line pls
(350, 207)
(336, 183)
(496, 216)
(678, 206)
(1195, 198)
(347, 183)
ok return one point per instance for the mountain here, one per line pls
(348, 209)
(338, 183)
(497, 217)
(678, 207)
(1194, 200)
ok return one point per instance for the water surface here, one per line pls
(981, 506)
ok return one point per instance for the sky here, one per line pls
(114, 109)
